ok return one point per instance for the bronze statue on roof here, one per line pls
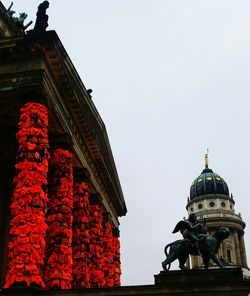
(41, 18)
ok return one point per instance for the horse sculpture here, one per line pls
(202, 244)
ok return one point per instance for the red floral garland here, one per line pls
(109, 251)
(80, 243)
(96, 247)
(58, 271)
(29, 200)
(116, 260)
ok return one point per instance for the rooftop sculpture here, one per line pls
(18, 20)
(41, 18)
(196, 242)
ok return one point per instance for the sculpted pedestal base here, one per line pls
(190, 277)
(226, 281)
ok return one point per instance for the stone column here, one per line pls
(96, 242)
(237, 248)
(108, 251)
(58, 271)
(29, 200)
(81, 220)
(242, 250)
(194, 261)
(224, 251)
(117, 257)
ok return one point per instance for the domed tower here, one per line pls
(212, 204)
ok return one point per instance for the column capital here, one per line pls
(61, 141)
(95, 199)
(81, 174)
(116, 232)
(107, 218)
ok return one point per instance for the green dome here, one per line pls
(208, 183)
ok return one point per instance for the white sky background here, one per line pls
(169, 78)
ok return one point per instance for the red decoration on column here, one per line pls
(29, 200)
(116, 258)
(58, 271)
(109, 251)
(80, 244)
(96, 243)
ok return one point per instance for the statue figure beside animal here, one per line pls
(195, 241)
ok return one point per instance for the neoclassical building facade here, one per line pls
(60, 194)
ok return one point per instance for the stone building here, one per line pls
(46, 110)
(211, 201)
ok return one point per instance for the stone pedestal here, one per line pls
(194, 277)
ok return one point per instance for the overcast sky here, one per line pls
(170, 79)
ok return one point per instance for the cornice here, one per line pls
(217, 221)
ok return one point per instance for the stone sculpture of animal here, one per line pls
(208, 246)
